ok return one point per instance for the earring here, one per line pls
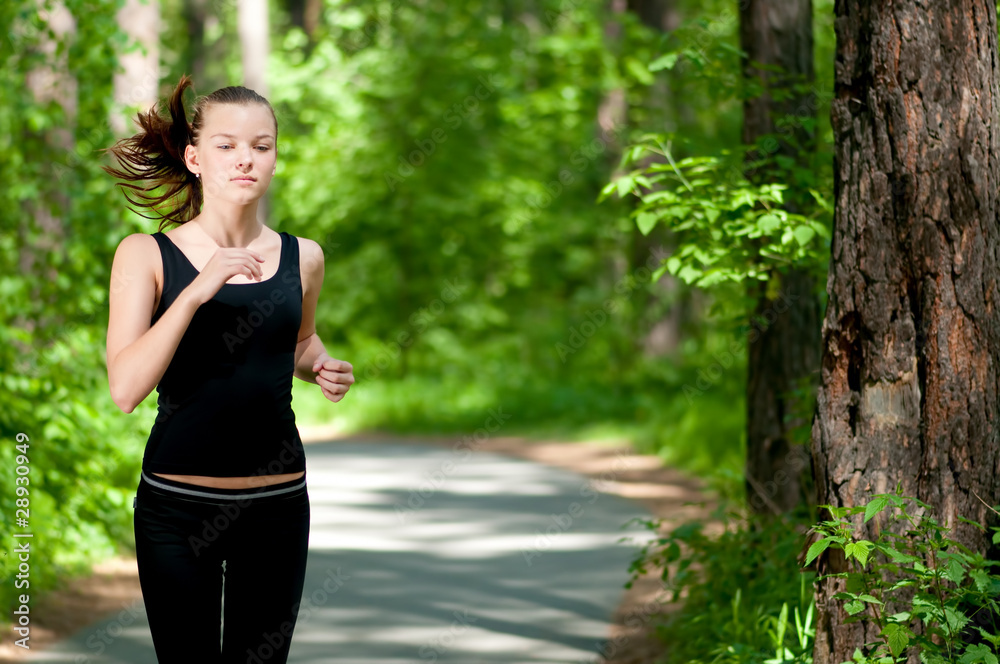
(197, 175)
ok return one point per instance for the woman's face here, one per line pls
(236, 152)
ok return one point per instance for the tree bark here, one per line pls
(138, 83)
(784, 341)
(254, 32)
(911, 337)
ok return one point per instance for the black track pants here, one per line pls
(184, 532)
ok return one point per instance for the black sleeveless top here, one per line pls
(225, 401)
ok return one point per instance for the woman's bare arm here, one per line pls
(138, 355)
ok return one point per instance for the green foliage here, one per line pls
(946, 593)
(728, 228)
(77, 462)
(744, 599)
(446, 157)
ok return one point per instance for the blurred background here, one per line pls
(541, 207)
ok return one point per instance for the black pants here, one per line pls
(184, 533)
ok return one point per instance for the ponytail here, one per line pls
(154, 158)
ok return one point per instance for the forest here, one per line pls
(756, 239)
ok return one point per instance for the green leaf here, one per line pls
(768, 223)
(956, 619)
(666, 61)
(992, 638)
(981, 579)
(624, 185)
(854, 606)
(896, 555)
(976, 654)
(878, 503)
(646, 221)
(818, 547)
(954, 571)
(859, 550)
(637, 69)
(897, 637)
(689, 274)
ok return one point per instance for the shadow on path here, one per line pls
(425, 554)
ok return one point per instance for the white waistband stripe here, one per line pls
(227, 496)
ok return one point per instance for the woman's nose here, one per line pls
(245, 158)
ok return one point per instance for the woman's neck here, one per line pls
(230, 225)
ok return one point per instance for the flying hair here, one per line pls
(154, 176)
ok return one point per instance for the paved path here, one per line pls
(499, 561)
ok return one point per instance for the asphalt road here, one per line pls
(421, 553)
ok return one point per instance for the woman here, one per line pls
(218, 315)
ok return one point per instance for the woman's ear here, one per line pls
(191, 159)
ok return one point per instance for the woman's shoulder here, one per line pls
(139, 244)
(137, 257)
(310, 257)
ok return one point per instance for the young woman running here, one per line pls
(218, 315)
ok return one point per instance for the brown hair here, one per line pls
(154, 157)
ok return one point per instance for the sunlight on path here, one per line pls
(425, 554)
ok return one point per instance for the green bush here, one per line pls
(948, 592)
(744, 598)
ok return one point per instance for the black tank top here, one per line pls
(225, 401)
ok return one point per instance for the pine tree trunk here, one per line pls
(911, 338)
(783, 341)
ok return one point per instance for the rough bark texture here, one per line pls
(911, 338)
(784, 342)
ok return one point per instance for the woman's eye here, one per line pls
(223, 146)
(263, 148)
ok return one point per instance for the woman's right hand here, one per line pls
(226, 263)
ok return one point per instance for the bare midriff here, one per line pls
(234, 482)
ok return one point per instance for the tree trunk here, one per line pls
(784, 340)
(138, 85)
(50, 82)
(254, 48)
(911, 338)
(671, 305)
(195, 14)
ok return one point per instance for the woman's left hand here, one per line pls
(333, 376)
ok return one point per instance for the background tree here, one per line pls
(779, 121)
